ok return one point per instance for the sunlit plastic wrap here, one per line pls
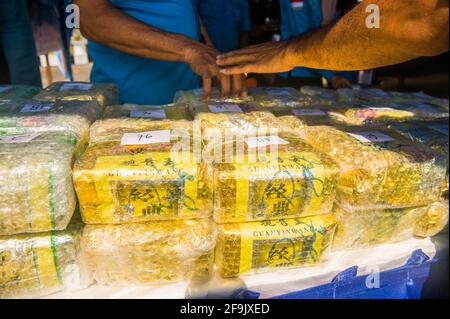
(36, 189)
(118, 183)
(177, 111)
(105, 94)
(143, 253)
(71, 117)
(292, 180)
(367, 114)
(282, 97)
(218, 106)
(304, 117)
(35, 265)
(368, 228)
(380, 169)
(354, 96)
(194, 96)
(18, 91)
(269, 245)
(318, 91)
(217, 126)
(433, 221)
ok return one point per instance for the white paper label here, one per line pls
(222, 108)
(4, 88)
(76, 86)
(36, 107)
(262, 141)
(440, 128)
(148, 114)
(13, 139)
(371, 137)
(143, 138)
(309, 112)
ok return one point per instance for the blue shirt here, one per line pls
(298, 18)
(224, 20)
(142, 80)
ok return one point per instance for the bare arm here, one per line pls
(100, 21)
(408, 29)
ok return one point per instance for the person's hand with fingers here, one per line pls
(271, 57)
(339, 82)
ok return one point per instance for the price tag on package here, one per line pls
(223, 108)
(36, 107)
(309, 112)
(371, 137)
(75, 86)
(263, 141)
(149, 114)
(14, 139)
(143, 138)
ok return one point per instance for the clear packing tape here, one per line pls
(379, 169)
(118, 183)
(36, 189)
(143, 253)
(8, 92)
(262, 183)
(35, 265)
(104, 94)
(29, 116)
(268, 245)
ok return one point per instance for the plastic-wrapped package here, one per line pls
(433, 221)
(36, 189)
(294, 181)
(18, 91)
(305, 117)
(29, 116)
(119, 181)
(419, 97)
(355, 96)
(105, 94)
(373, 227)
(217, 106)
(225, 124)
(194, 96)
(267, 245)
(143, 253)
(366, 114)
(282, 97)
(112, 129)
(35, 265)
(178, 111)
(320, 92)
(379, 168)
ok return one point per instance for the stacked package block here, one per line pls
(11, 92)
(320, 92)
(35, 265)
(104, 94)
(292, 180)
(67, 117)
(380, 169)
(366, 228)
(274, 244)
(36, 189)
(143, 253)
(119, 183)
(176, 111)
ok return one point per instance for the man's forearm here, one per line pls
(102, 22)
(409, 29)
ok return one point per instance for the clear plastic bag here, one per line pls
(318, 91)
(105, 94)
(35, 265)
(269, 245)
(368, 228)
(68, 117)
(178, 111)
(284, 97)
(380, 168)
(143, 253)
(18, 91)
(433, 221)
(292, 180)
(120, 182)
(36, 189)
